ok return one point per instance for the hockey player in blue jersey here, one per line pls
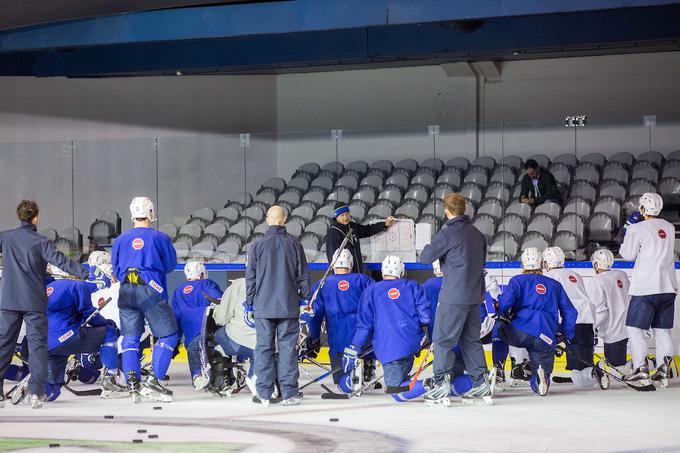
(190, 302)
(141, 258)
(101, 271)
(534, 304)
(337, 302)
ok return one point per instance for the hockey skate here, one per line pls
(499, 386)
(257, 400)
(520, 373)
(2, 399)
(36, 401)
(603, 379)
(133, 387)
(154, 390)
(483, 393)
(252, 383)
(112, 389)
(358, 378)
(20, 392)
(542, 382)
(201, 382)
(640, 378)
(439, 394)
(294, 401)
(664, 372)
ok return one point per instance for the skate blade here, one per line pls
(444, 402)
(483, 401)
(518, 383)
(110, 395)
(136, 397)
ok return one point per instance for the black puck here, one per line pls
(137, 441)
(334, 419)
(108, 417)
(141, 431)
(54, 445)
(157, 408)
(153, 436)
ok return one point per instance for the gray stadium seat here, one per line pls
(256, 211)
(561, 172)
(261, 228)
(400, 180)
(478, 175)
(654, 157)
(192, 229)
(434, 163)
(409, 164)
(492, 207)
(349, 181)
(425, 176)
(567, 159)
(334, 167)
(601, 227)
(541, 159)
(671, 169)
(225, 221)
(310, 241)
(645, 170)
(382, 209)
(324, 180)
(612, 188)
(386, 166)
(458, 162)
(373, 180)
(574, 224)
(470, 208)
(675, 155)
(616, 171)
(417, 192)
(319, 228)
(340, 193)
(583, 189)
(516, 191)
(218, 229)
(498, 190)
(594, 158)
(300, 181)
(244, 198)
(409, 209)
(505, 174)
(322, 219)
(101, 233)
(231, 211)
(630, 205)
(521, 209)
(360, 166)
(286, 206)
(316, 195)
(624, 158)
(578, 205)
(197, 221)
(513, 224)
(485, 224)
(504, 245)
(611, 206)
(471, 191)
(275, 183)
(202, 251)
(567, 241)
(487, 162)
(294, 228)
(74, 235)
(640, 186)
(267, 195)
(182, 250)
(534, 239)
(167, 228)
(113, 218)
(391, 193)
(514, 162)
(297, 219)
(358, 210)
(184, 238)
(243, 227)
(292, 195)
(50, 233)
(310, 167)
(442, 189)
(451, 176)
(432, 220)
(542, 223)
(549, 208)
(305, 210)
(326, 209)
(670, 190)
(434, 207)
(587, 171)
(231, 246)
(367, 194)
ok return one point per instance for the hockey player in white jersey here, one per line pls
(582, 346)
(608, 292)
(653, 289)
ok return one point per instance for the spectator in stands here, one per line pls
(343, 226)
(538, 185)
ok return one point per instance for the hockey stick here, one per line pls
(210, 299)
(420, 369)
(334, 370)
(96, 312)
(644, 388)
(322, 282)
(91, 392)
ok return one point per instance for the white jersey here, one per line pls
(576, 290)
(229, 313)
(650, 244)
(608, 292)
(111, 310)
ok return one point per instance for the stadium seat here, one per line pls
(113, 218)
(49, 233)
(243, 198)
(458, 162)
(327, 209)
(340, 193)
(597, 159)
(612, 188)
(374, 180)
(349, 181)
(451, 176)
(514, 162)
(498, 190)
(567, 241)
(587, 171)
(504, 174)
(322, 219)
(286, 206)
(617, 171)
(624, 158)
(367, 194)
(231, 211)
(278, 184)
(549, 208)
(300, 182)
(101, 233)
(424, 176)
(434, 207)
(534, 239)
(169, 229)
(334, 167)
(492, 207)
(267, 195)
(584, 189)
(578, 205)
(318, 228)
(436, 164)
(567, 159)
(182, 250)
(316, 195)
(418, 192)
(409, 164)
(197, 221)
(310, 241)
(391, 193)
(611, 206)
(305, 210)
(639, 186)
(360, 166)
(542, 223)
(670, 190)
(675, 155)
(358, 209)
(513, 224)
(292, 195)
(574, 224)
(671, 169)
(243, 227)
(231, 246)
(185, 238)
(261, 228)
(504, 245)
(654, 157)
(471, 191)
(631, 205)
(478, 175)
(601, 227)
(400, 180)
(441, 190)
(294, 228)
(541, 159)
(521, 209)
(385, 166)
(516, 191)
(192, 229)
(325, 180)
(561, 172)
(485, 224)
(487, 162)
(256, 211)
(218, 229)
(312, 168)
(202, 251)
(382, 209)
(409, 209)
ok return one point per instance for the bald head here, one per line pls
(276, 216)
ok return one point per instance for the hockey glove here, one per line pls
(561, 345)
(313, 347)
(248, 315)
(349, 358)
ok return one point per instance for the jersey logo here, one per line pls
(138, 243)
(546, 339)
(156, 286)
(572, 278)
(540, 288)
(343, 285)
(662, 234)
(101, 302)
(619, 283)
(66, 336)
(393, 293)
(188, 289)
(49, 291)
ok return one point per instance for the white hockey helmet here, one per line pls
(437, 268)
(195, 270)
(99, 257)
(603, 258)
(343, 259)
(652, 202)
(392, 266)
(531, 259)
(553, 257)
(142, 208)
(55, 272)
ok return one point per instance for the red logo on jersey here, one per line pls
(619, 283)
(393, 293)
(138, 243)
(540, 288)
(662, 234)
(49, 291)
(343, 285)
(188, 289)
(101, 302)
(572, 278)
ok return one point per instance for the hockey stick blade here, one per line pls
(331, 395)
(212, 300)
(91, 392)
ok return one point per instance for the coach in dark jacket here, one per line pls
(538, 185)
(342, 226)
(22, 292)
(461, 249)
(276, 280)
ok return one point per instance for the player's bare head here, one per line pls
(454, 205)
(28, 211)
(276, 216)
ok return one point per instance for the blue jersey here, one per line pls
(392, 313)
(189, 303)
(69, 304)
(149, 251)
(537, 302)
(338, 302)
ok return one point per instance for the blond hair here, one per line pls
(455, 204)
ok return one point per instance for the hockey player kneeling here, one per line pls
(531, 306)
(191, 304)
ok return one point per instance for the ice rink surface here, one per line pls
(567, 420)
